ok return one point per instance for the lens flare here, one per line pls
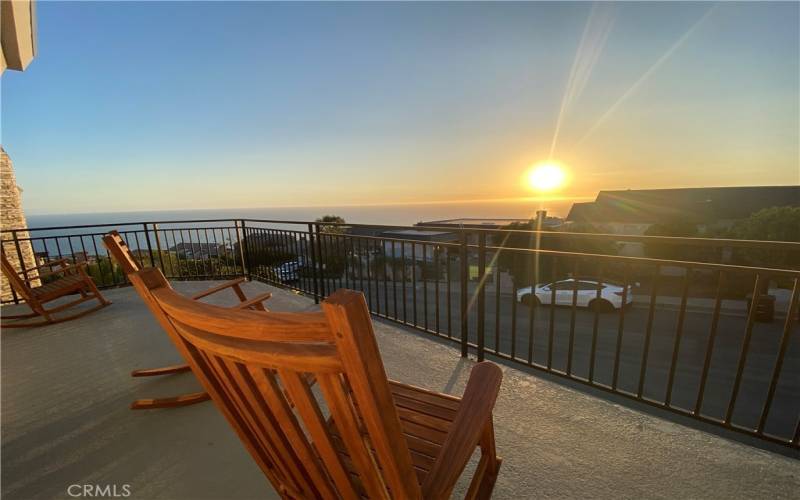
(546, 177)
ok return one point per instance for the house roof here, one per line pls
(372, 230)
(419, 235)
(700, 205)
(209, 248)
(471, 222)
(488, 223)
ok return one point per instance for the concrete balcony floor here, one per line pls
(65, 420)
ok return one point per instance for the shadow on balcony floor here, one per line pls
(66, 390)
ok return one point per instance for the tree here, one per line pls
(331, 245)
(770, 224)
(333, 226)
(584, 245)
(268, 248)
(588, 266)
(103, 271)
(518, 264)
(672, 251)
(525, 268)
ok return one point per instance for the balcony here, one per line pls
(66, 390)
(685, 392)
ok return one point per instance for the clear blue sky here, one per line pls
(133, 105)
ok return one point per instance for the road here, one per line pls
(515, 329)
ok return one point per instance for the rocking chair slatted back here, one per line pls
(121, 253)
(255, 366)
(16, 282)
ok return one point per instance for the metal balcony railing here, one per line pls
(712, 335)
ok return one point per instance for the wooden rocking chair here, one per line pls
(376, 439)
(70, 279)
(120, 252)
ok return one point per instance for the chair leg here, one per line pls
(483, 484)
(488, 467)
(182, 400)
(95, 291)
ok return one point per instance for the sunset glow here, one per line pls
(546, 177)
(617, 95)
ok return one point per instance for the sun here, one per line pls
(546, 176)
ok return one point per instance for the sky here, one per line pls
(158, 105)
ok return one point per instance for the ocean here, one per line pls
(406, 214)
(65, 241)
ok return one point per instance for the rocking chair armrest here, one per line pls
(46, 265)
(80, 267)
(218, 288)
(469, 425)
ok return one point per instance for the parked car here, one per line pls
(585, 291)
(289, 272)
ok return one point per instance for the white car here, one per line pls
(584, 290)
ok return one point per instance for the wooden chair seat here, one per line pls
(74, 282)
(425, 418)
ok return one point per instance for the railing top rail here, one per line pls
(116, 224)
(674, 240)
(79, 226)
(671, 240)
(649, 260)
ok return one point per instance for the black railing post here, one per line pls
(323, 286)
(158, 248)
(314, 273)
(21, 263)
(244, 253)
(748, 334)
(481, 295)
(149, 246)
(464, 290)
(784, 345)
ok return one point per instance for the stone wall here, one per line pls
(12, 217)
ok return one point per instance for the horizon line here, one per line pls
(522, 199)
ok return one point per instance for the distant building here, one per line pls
(490, 223)
(270, 239)
(424, 250)
(261, 245)
(198, 250)
(367, 230)
(79, 257)
(632, 212)
(370, 231)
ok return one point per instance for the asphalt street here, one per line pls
(513, 329)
